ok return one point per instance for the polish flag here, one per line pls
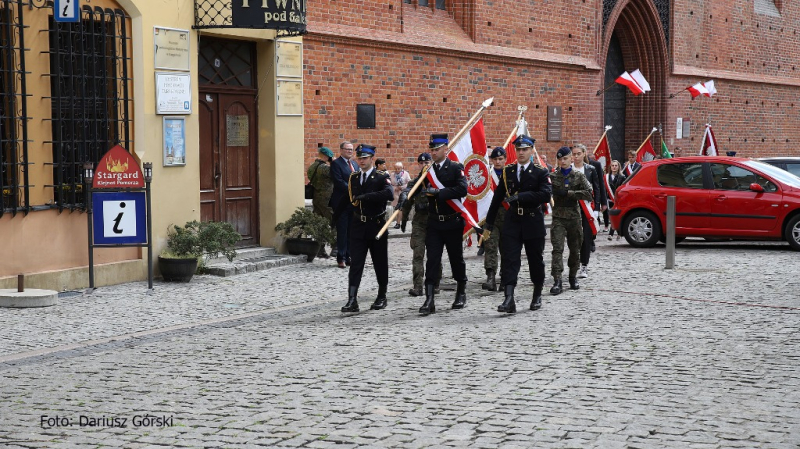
(511, 150)
(646, 153)
(470, 151)
(627, 80)
(602, 153)
(639, 78)
(709, 147)
(709, 85)
(591, 215)
(698, 89)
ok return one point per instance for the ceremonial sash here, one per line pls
(454, 203)
(495, 183)
(588, 211)
(610, 192)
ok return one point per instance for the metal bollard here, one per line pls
(20, 283)
(670, 233)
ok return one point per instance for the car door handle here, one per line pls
(722, 198)
(660, 196)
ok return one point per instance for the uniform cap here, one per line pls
(364, 150)
(497, 152)
(523, 141)
(563, 151)
(424, 157)
(438, 140)
(326, 151)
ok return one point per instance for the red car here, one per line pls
(718, 197)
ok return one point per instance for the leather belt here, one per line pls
(365, 218)
(447, 217)
(522, 211)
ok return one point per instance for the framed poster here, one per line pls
(171, 48)
(173, 93)
(289, 97)
(174, 142)
(289, 59)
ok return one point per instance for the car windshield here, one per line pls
(775, 172)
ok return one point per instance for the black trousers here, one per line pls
(588, 238)
(342, 236)
(362, 240)
(440, 236)
(512, 260)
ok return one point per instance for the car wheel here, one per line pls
(642, 229)
(792, 232)
(678, 239)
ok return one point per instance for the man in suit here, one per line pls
(445, 224)
(524, 187)
(368, 192)
(631, 165)
(341, 169)
(598, 195)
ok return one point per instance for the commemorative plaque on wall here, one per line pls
(554, 123)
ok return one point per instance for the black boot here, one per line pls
(573, 284)
(508, 305)
(352, 300)
(461, 296)
(380, 301)
(428, 307)
(536, 303)
(416, 291)
(490, 283)
(557, 287)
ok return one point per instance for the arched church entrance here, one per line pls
(636, 33)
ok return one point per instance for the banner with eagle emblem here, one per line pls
(470, 151)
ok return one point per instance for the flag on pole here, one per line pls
(602, 153)
(665, 154)
(511, 150)
(470, 151)
(697, 90)
(591, 215)
(709, 85)
(646, 153)
(709, 147)
(627, 80)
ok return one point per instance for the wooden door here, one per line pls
(228, 162)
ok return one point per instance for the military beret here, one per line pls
(730, 153)
(364, 150)
(438, 140)
(497, 152)
(523, 141)
(563, 151)
(326, 151)
(424, 157)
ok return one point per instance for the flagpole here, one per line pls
(645, 140)
(594, 153)
(678, 92)
(605, 88)
(421, 179)
(511, 136)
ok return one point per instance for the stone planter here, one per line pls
(308, 247)
(177, 270)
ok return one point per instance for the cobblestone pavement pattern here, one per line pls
(703, 356)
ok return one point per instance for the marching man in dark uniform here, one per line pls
(369, 190)
(525, 186)
(445, 224)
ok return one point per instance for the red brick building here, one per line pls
(426, 65)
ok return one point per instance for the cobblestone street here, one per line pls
(702, 356)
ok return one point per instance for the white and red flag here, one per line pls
(709, 147)
(602, 153)
(511, 150)
(710, 88)
(639, 78)
(627, 80)
(591, 215)
(706, 89)
(470, 151)
(646, 153)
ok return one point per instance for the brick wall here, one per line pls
(428, 71)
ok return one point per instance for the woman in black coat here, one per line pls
(611, 182)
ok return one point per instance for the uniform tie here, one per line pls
(363, 178)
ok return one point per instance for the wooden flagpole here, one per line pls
(421, 179)
(645, 141)
(594, 153)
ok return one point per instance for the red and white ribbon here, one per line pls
(454, 203)
(588, 211)
(607, 179)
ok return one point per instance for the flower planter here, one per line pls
(177, 270)
(308, 247)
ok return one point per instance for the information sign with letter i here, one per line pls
(66, 11)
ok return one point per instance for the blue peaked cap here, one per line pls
(523, 141)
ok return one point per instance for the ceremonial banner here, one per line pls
(602, 153)
(709, 147)
(470, 151)
(588, 210)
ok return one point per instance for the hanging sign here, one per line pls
(117, 169)
(287, 15)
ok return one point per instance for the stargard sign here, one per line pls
(117, 169)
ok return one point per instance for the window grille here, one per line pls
(90, 96)
(14, 188)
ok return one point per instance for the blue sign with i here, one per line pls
(119, 218)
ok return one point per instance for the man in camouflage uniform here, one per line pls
(319, 174)
(491, 246)
(569, 186)
(419, 203)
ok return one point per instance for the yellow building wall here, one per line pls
(51, 248)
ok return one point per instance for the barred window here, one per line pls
(90, 96)
(14, 186)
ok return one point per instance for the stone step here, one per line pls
(241, 266)
(245, 254)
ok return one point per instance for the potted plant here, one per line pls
(189, 246)
(305, 232)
